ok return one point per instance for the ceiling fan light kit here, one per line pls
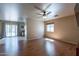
(44, 17)
(44, 13)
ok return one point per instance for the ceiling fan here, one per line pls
(44, 13)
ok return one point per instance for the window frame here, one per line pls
(50, 24)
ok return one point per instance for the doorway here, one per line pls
(11, 30)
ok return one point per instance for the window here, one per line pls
(11, 30)
(50, 28)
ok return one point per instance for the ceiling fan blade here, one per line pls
(39, 14)
(49, 13)
(38, 8)
(47, 6)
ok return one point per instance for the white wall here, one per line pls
(35, 29)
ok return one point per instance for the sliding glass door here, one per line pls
(11, 30)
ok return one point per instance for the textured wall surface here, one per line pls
(66, 29)
(35, 29)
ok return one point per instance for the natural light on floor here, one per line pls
(48, 39)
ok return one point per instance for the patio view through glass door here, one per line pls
(11, 30)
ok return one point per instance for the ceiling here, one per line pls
(21, 11)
